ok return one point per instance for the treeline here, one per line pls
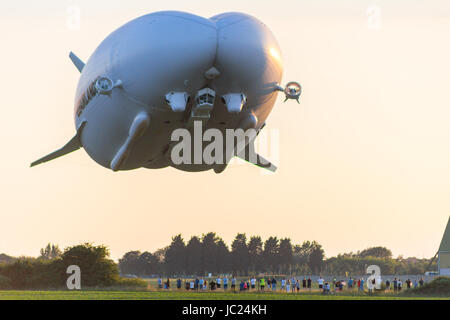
(209, 254)
(50, 269)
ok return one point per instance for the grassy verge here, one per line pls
(186, 295)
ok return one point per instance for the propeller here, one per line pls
(292, 91)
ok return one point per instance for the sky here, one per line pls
(364, 159)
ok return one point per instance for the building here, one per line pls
(444, 252)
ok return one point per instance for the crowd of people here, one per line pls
(292, 284)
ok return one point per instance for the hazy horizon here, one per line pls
(364, 160)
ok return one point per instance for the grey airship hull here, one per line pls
(156, 65)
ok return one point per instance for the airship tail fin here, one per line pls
(76, 61)
(248, 154)
(257, 160)
(73, 145)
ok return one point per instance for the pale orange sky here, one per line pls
(364, 159)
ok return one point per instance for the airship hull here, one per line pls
(168, 54)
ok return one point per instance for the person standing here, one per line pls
(421, 282)
(253, 282)
(309, 283)
(395, 282)
(408, 284)
(274, 284)
(179, 283)
(388, 285)
(225, 283)
(262, 284)
(320, 282)
(297, 284)
(167, 284)
(350, 283)
(283, 283)
(219, 281)
(233, 283)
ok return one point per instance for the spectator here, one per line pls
(219, 281)
(408, 284)
(233, 283)
(304, 283)
(225, 283)
(309, 283)
(253, 282)
(274, 284)
(179, 283)
(388, 285)
(395, 282)
(421, 282)
(262, 284)
(160, 283)
(415, 283)
(167, 284)
(283, 283)
(293, 282)
(350, 283)
(320, 282)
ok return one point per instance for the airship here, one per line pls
(169, 71)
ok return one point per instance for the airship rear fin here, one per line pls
(76, 61)
(260, 162)
(73, 145)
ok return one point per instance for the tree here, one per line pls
(316, 257)
(51, 251)
(194, 265)
(239, 254)
(150, 264)
(285, 255)
(223, 257)
(96, 267)
(129, 263)
(270, 253)
(175, 258)
(378, 252)
(209, 253)
(255, 250)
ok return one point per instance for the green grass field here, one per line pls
(186, 295)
